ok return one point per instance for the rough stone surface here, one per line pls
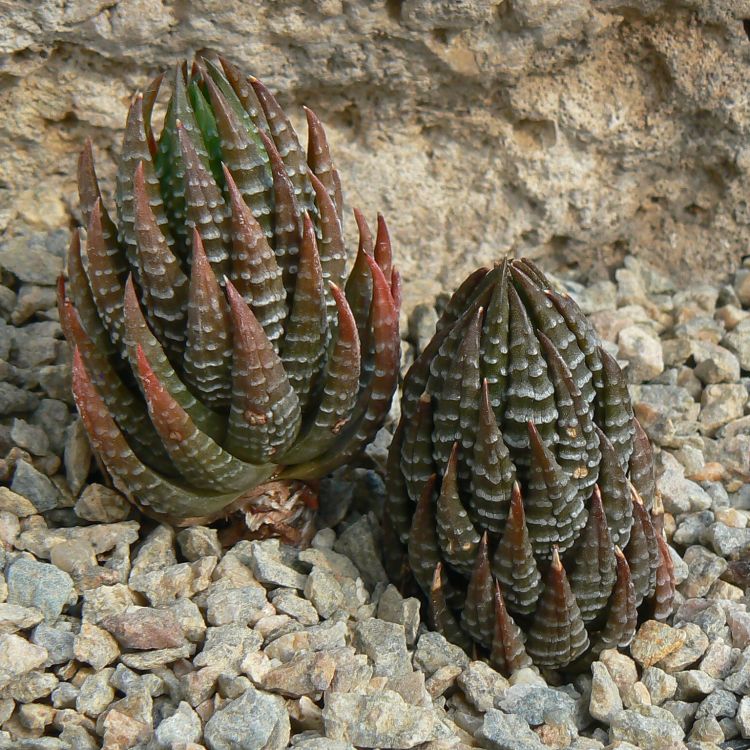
(40, 585)
(253, 721)
(654, 641)
(416, 96)
(605, 699)
(650, 727)
(380, 720)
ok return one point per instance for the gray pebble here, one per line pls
(648, 727)
(34, 486)
(482, 685)
(225, 647)
(95, 693)
(199, 541)
(726, 540)
(40, 585)
(324, 592)
(269, 566)
(719, 704)
(241, 606)
(58, 641)
(434, 651)
(605, 699)
(30, 437)
(287, 602)
(692, 684)
(503, 732)
(660, 685)
(30, 262)
(537, 704)
(705, 567)
(254, 721)
(15, 400)
(380, 720)
(394, 608)
(385, 645)
(743, 717)
(358, 543)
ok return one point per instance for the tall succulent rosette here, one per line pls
(522, 496)
(223, 353)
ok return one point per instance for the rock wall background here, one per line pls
(576, 131)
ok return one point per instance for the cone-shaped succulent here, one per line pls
(219, 343)
(521, 487)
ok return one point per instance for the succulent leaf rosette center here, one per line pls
(522, 496)
(220, 342)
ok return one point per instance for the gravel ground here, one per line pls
(118, 633)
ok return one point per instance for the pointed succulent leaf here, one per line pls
(457, 536)
(457, 405)
(163, 283)
(287, 218)
(615, 409)
(382, 253)
(494, 348)
(530, 396)
(398, 505)
(130, 474)
(359, 286)
(89, 194)
(555, 513)
(138, 334)
(319, 160)
(339, 389)
(304, 349)
(478, 614)
(254, 271)
(462, 299)
(83, 299)
(622, 614)
(135, 157)
(586, 336)
(196, 456)
(287, 144)
(117, 398)
(508, 653)
(577, 445)
(492, 472)
(642, 553)
(513, 563)
(331, 244)
(641, 470)
(417, 463)
(557, 635)
(616, 493)
(207, 361)
(423, 549)
(440, 616)
(205, 209)
(264, 415)
(547, 318)
(107, 269)
(593, 576)
(169, 163)
(245, 92)
(209, 130)
(664, 588)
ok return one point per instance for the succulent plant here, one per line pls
(522, 495)
(222, 354)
